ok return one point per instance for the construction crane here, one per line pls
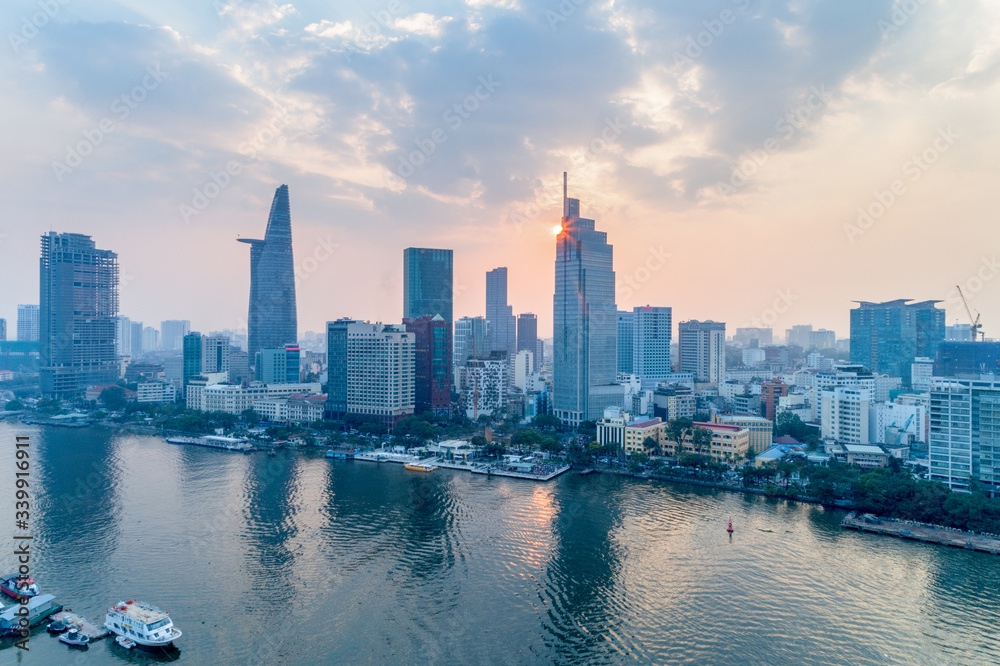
(974, 321)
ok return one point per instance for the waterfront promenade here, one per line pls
(905, 529)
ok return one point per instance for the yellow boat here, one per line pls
(419, 467)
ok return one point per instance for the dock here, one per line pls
(81, 624)
(477, 468)
(925, 533)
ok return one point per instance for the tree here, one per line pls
(495, 449)
(550, 445)
(479, 442)
(13, 405)
(649, 445)
(113, 398)
(588, 428)
(547, 421)
(701, 438)
(415, 427)
(251, 417)
(702, 417)
(676, 430)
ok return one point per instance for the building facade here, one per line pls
(27, 323)
(584, 320)
(527, 337)
(272, 322)
(703, 350)
(886, 337)
(651, 336)
(172, 332)
(965, 432)
(484, 386)
(427, 283)
(499, 314)
(624, 329)
(432, 364)
(78, 313)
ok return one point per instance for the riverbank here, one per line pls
(906, 529)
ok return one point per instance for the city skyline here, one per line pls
(652, 131)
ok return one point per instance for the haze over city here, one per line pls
(808, 111)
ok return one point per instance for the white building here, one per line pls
(524, 364)
(484, 386)
(754, 356)
(215, 354)
(964, 434)
(235, 399)
(844, 414)
(921, 371)
(193, 395)
(651, 336)
(905, 419)
(819, 362)
(156, 392)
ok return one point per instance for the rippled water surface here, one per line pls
(298, 559)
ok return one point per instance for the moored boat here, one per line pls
(74, 638)
(56, 627)
(125, 642)
(146, 625)
(14, 587)
(419, 467)
(39, 608)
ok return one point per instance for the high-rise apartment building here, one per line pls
(584, 320)
(172, 332)
(651, 335)
(273, 323)
(78, 285)
(484, 385)
(427, 283)
(472, 340)
(527, 337)
(754, 337)
(432, 364)
(499, 314)
(123, 336)
(215, 354)
(965, 432)
(150, 339)
(886, 337)
(799, 335)
(703, 350)
(371, 371)
(625, 328)
(135, 339)
(27, 323)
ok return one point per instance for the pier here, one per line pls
(925, 533)
(81, 624)
(491, 469)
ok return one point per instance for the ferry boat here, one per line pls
(12, 587)
(146, 625)
(419, 467)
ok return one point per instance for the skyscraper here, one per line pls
(427, 283)
(123, 336)
(172, 333)
(703, 350)
(471, 340)
(500, 315)
(78, 286)
(27, 323)
(625, 324)
(272, 322)
(3, 330)
(135, 340)
(651, 336)
(432, 363)
(584, 320)
(886, 337)
(193, 362)
(527, 337)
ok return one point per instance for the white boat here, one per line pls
(125, 642)
(146, 625)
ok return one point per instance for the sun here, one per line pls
(556, 230)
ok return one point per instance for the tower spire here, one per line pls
(565, 200)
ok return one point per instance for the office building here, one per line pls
(278, 366)
(921, 372)
(761, 430)
(524, 372)
(27, 323)
(674, 401)
(135, 339)
(754, 337)
(215, 354)
(370, 370)
(427, 283)
(172, 332)
(954, 359)
(585, 341)
(500, 315)
(432, 364)
(527, 337)
(123, 336)
(651, 336)
(156, 392)
(210, 395)
(822, 339)
(239, 365)
(799, 335)
(272, 321)
(78, 311)
(965, 432)
(754, 356)
(150, 339)
(624, 342)
(703, 350)
(886, 337)
(192, 351)
(471, 340)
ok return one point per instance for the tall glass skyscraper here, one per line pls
(78, 314)
(584, 320)
(886, 337)
(427, 283)
(500, 315)
(272, 323)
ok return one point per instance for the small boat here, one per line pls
(125, 642)
(75, 639)
(419, 467)
(56, 627)
(272, 453)
(16, 587)
(730, 528)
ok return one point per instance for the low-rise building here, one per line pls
(729, 442)
(761, 430)
(635, 434)
(862, 455)
(156, 392)
(235, 399)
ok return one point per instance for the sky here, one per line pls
(752, 161)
